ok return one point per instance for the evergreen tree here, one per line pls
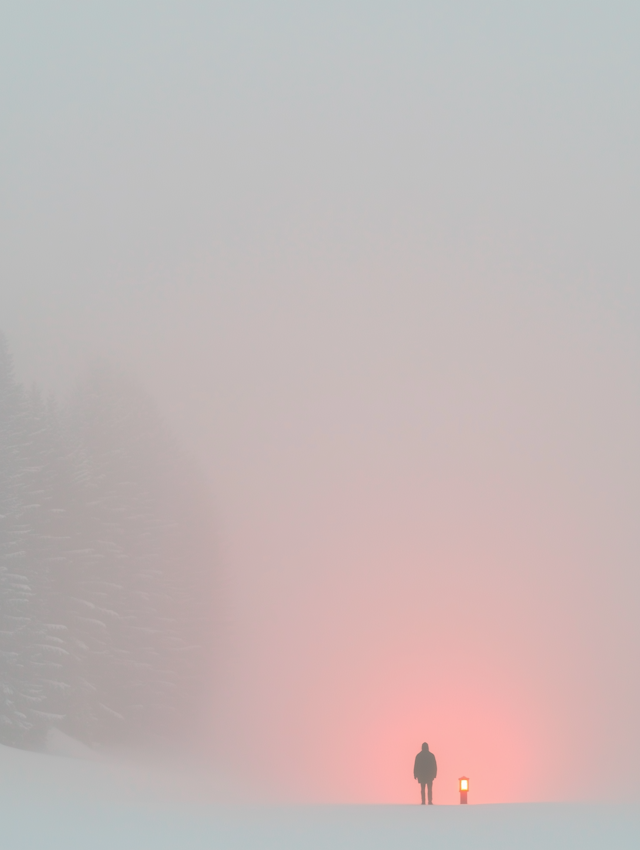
(27, 645)
(105, 568)
(137, 621)
(46, 542)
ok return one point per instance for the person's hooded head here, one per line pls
(425, 748)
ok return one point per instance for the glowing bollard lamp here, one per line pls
(463, 785)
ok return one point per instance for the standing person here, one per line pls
(425, 771)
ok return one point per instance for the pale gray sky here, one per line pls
(378, 262)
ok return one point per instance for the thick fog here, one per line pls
(377, 266)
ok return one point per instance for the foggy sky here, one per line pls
(378, 264)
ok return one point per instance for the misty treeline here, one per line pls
(105, 568)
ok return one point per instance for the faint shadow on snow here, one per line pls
(75, 801)
(57, 743)
(70, 772)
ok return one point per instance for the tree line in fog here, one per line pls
(105, 568)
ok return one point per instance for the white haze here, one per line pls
(378, 265)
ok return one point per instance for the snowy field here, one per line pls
(52, 802)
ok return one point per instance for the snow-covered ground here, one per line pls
(62, 803)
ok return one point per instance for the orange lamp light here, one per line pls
(463, 787)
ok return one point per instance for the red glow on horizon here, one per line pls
(363, 750)
(490, 740)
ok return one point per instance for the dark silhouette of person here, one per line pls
(425, 771)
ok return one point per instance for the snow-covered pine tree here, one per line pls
(47, 478)
(139, 570)
(31, 651)
(15, 589)
(105, 568)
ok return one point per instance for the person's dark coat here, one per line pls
(425, 768)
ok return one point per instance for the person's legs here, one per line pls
(422, 791)
(430, 787)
